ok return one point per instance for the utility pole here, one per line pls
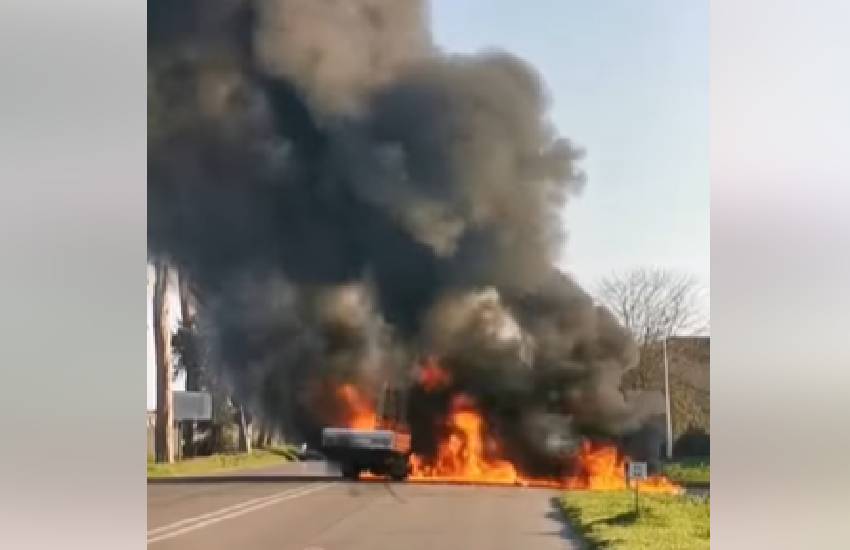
(164, 441)
(667, 400)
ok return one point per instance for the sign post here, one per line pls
(190, 406)
(637, 472)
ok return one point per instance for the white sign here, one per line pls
(192, 405)
(637, 470)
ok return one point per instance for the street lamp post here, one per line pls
(667, 400)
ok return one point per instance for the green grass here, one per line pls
(219, 463)
(693, 470)
(666, 522)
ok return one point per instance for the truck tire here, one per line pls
(350, 471)
(399, 469)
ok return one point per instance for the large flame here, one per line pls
(461, 454)
(468, 453)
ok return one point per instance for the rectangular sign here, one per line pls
(192, 405)
(637, 470)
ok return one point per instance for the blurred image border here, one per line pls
(73, 225)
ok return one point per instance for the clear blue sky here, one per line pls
(628, 82)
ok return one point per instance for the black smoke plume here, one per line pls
(348, 198)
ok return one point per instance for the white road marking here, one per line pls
(224, 510)
(197, 522)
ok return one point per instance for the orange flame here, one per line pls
(359, 412)
(432, 376)
(461, 455)
(601, 468)
(597, 468)
(468, 454)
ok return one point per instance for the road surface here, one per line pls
(333, 515)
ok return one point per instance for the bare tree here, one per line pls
(657, 304)
(654, 303)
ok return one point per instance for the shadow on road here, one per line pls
(567, 532)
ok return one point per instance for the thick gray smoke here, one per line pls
(348, 199)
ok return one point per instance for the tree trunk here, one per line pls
(244, 431)
(262, 435)
(164, 368)
(187, 316)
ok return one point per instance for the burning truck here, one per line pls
(370, 442)
(374, 443)
(352, 205)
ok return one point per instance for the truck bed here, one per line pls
(386, 440)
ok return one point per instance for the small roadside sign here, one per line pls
(637, 470)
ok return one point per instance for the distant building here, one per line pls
(689, 361)
(690, 381)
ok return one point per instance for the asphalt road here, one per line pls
(334, 515)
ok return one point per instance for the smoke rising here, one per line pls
(348, 199)
(337, 53)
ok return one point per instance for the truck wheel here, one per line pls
(350, 471)
(398, 470)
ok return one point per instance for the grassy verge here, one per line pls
(694, 470)
(219, 463)
(666, 522)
